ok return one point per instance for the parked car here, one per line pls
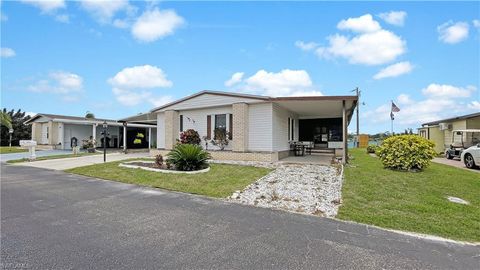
(471, 156)
(461, 140)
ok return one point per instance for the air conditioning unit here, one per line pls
(445, 126)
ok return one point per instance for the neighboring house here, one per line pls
(261, 127)
(440, 132)
(60, 131)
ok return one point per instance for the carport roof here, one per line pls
(66, 117)
(462, 117)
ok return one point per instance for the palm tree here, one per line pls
(6, 120)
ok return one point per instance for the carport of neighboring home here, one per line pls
(62, 131)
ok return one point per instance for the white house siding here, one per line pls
(280, 128)
(260, 129)
(160, 130)
(197, 120)
(81, 132)
(209, 100)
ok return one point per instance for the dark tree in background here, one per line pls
(20, 130)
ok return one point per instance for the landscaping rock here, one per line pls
(311, 189)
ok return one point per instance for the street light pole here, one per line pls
(105, 126)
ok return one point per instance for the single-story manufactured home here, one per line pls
(441, 131)
(53, 131)
(261, 128)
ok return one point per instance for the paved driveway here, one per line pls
(43, 153)
(53, 220)
(454, 163)
(68, 163)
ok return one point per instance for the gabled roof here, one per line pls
(66, 117)
(204, 92)
(467, 116)
(255, 97)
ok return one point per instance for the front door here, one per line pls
(44, 138)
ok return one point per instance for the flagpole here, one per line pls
(391, 117)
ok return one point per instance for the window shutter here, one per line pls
(209, 127)
(230, 128)
(289, 123)
(181, 123)
(293, 129)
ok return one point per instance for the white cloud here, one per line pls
(440, 101)
(66, 84)
(284, 83)
(306, 46)
(394, 70)
(476, 23)
(3, 17)
(159, 101)
(404, 99)
(64, 18)
(104, 10)
(474, 105)
(447, 91)
(362, 24)
(373, 48)
(156, 24)
(133, 85)
(49, 6)
(394, 17)
(452, 33)
(146, 76)
(370, 45)
(236, 78)
(7, 52)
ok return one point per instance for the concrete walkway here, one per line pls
(454, 163)
(69, 163)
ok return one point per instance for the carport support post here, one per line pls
(345, 135)
(149, 138)
(94, 131)
(125, 137)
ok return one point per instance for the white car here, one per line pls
(471, 156)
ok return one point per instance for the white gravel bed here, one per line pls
(310, 189)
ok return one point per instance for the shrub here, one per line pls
(220, 138)
(406, 152)
(188, 157)
(159, 160)
(371, 149)
(190, 136)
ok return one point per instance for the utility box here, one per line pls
(363, 140)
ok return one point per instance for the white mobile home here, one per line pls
(54, 131)
(262, 128)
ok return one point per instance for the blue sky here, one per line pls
(119, 58)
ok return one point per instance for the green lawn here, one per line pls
(9, 150)
(410, 201)
(52, 157)
(221, 181)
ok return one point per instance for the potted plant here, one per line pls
(220, 138)
(90, 145)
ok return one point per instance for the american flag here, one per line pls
(395, 108)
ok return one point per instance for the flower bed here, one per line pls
(151, 166)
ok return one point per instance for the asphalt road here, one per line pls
(53, 220)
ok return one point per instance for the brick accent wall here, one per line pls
(231, 155)
(240, 127)
(171, 128)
